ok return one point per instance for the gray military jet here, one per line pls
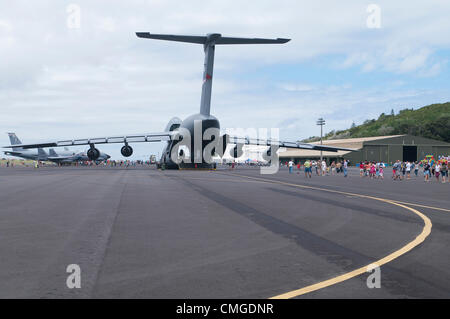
(199, 133)
(17, 151)
(75, 157)
(82, 157)
(65, 156)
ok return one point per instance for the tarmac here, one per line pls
(147, 233)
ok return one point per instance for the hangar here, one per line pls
(378, 148)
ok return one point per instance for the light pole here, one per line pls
(321, 122)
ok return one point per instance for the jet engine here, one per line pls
(126, 150)
(93, 154)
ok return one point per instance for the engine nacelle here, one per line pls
(197, 125)
(93, 154)
(126, 151)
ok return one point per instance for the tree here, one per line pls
(432, 121)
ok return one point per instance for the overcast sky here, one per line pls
(61, 79)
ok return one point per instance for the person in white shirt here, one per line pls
(314, 166)
(345, 168)
(408, 170)
(324, 168)
(437, 171)
(291, 163)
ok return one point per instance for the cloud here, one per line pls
(297, 87)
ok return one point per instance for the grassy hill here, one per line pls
(432, 121)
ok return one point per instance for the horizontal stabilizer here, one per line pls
(171, 37)
(227, 40)
(216, 37)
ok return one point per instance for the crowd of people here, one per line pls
(437, 169)
(38, 164)
(372, 169)
(114, 163)
(320, 167)
(430, 168)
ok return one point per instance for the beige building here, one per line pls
(379, 148)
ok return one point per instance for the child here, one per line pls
(372, 171)
(444, 171)
(426, 172)
(416, 168)
(437, 171)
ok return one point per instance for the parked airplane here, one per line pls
(75, 157)
(199, 133)
(17, 151)
(82, 157)
(65, 156)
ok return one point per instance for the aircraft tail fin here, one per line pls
(42, 155)
(209, 42)
(52, 152)
(14, 141)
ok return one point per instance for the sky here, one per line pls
(75, 69)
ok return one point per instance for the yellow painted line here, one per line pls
(423, 206)
(340, 192)
(332, 281)
(417, 241)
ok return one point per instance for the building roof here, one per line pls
(353, 143)
(356, 140)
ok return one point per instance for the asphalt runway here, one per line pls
(146, 233)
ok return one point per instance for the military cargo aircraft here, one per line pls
(191, 143)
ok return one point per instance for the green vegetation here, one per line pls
(21, 162)
(432, 121)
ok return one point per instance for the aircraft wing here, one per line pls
(134, 138)
(299, 145)
(60, 158)
(12, 153)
